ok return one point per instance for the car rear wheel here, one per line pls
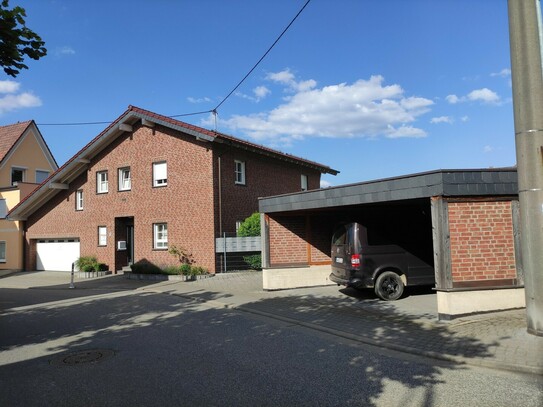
(389, 286)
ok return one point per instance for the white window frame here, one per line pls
(160, 174)
(125, 183)
(160, 236)
(102, 183)
(3, 255)
(239, 172)
(47, 173)
(23, 170)
(102, 236)
(79, 200)
(304, 182)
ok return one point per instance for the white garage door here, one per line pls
(57, 254)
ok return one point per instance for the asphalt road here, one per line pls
(131, 348)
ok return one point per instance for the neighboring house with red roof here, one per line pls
(148, 182)
(25, 161)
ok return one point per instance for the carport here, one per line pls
(467, 219)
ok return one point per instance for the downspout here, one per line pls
(220, 196)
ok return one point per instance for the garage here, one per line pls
(56, 254)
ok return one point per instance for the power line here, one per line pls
(214, 111)
(263, 56)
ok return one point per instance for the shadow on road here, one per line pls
(176, 335)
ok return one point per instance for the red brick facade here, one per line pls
(481, 241)
(199, 200)
(299, 240)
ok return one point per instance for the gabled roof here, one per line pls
(78, 163)
(11, 134)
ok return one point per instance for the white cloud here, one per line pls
(20, 101)
(65, 50)
(504, 73)
(452, 99)
(9, 86)
(325, 184)
(442, 119)
(261, 92)
(483, 95)
(287, 78)
(464, 118)
(365, 108)
(198, 100)
(488, 149)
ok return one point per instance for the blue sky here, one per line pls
(371, 88)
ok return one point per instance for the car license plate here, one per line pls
(339, 260)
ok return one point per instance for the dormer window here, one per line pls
(17, 175)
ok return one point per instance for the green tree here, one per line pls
(16, 40)
(250, 226)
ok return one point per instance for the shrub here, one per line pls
(254, 261)
(182, 254)
(172, 270)
(185, 269)
(198, 271)
(250, 226)
(87, 263)
(145, 267)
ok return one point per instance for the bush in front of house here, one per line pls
(145, 267)
(254, 261)
(87, 263)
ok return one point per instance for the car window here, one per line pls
(340, 236)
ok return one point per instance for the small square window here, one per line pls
(102, 236)
(160, 174)
(2, 252)
(17, 175)
(125, 183)
(239, 172)
(79, 200)
(160, 235)
(102, 186)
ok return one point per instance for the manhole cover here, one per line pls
(83, 357)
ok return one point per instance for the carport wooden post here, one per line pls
(441, 240)
(265, 240)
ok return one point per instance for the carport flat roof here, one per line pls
(458, 183)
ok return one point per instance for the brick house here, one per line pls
(148, 182)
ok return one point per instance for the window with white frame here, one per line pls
(79, 200)
(160, 233)
(41, 176)
(102, 236)
(101, 182)
(160, 174)
(124, 179)
(17, 175)
(239, 172)
(304, 182)
(2, 251)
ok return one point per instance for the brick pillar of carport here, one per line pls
(476, 255)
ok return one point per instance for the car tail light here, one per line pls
(355, 260)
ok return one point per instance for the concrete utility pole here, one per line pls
(527, 75)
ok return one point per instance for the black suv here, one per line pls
(386, 260)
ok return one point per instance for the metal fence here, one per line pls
(237, 253)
